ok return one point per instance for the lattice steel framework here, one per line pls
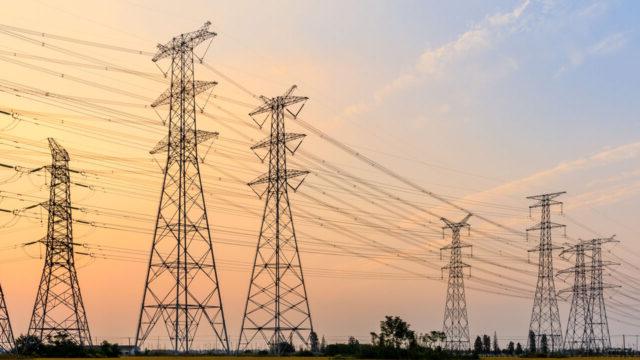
(7, 341)
(182, 286)
(277, 308)
(598, 337)
(578, 324)
(456, 323)
(58, 307)
(545, 317)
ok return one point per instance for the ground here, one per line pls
(327, 358)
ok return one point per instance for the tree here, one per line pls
(394, 332)
(109, 350)
(496, 347)
(283, 347)
(375, 339)
(432, 338)
(313, 339)
(511, 348)
(353, 341)
(61, 344)
(323, 344)
(486, 344)
(544, 345)
(477, 345)
(28, 345)
(519, 350)
(532, 342)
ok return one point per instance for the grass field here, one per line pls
(205, 358)
(567, 358)
(327, 358)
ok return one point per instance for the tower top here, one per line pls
(57, 151)
(184, 42)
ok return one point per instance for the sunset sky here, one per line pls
(483, 103)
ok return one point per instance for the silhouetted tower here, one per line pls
(58, 307)
(6, 333)
(456, 323)
(578, 324)
(545, 317)
(277, 309)
(182, 286)
(598, 338)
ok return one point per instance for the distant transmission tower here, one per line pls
(598, 338)
(58, 307)
(182, 285)
(578, 324)
(456, 323)
(545, 317)
(277, 309)
(7, 341)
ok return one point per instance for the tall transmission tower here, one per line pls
(578, 324)
(277, 309)
(7, 342)
(58, 307)
(456, 323)
(598, 337)
(182, 286)
(545, 317)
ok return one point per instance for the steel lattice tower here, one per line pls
(578, 324)
(598, 338)
(182, 284)
(277, 309)
(545, 317)
(7, 341)
(456, 323)
(58, 307)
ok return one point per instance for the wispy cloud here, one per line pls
(609, 44)
(434, 62)
(601, 158)
(605, 196)
(605, 46)
(593, 10)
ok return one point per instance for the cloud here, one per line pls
(609, 44)
(606, 46)
(604, 196)
(604, 157)
(479, 37)
(508, 18)
(433, 62)
(593, 10)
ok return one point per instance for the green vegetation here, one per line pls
(61, 346)
(396, 340)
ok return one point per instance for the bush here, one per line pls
(367, 351)
(28, 345)
(109, 350)
(61, 345)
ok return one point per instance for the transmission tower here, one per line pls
(277, 309)
(456, 323)
(6, 333)
(598, 338)
(578, 324)
(182, 286)
(58, 307)
(545, 317)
